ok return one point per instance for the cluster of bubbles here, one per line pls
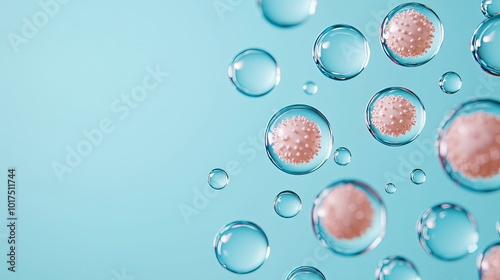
(349, 216)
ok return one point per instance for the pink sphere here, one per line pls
(393, 115)
(472, 145)
(490, 266)
(346, 212)
(296, 140)
(409, 34)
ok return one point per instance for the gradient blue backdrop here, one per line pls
(119, 213)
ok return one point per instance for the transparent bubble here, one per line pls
(341, 52)
(469, 145)
(218, 179)
(287, 13)
(349, 217)
(342, 156)
(448, 232)
(418, 176)
(390, 188)
(254, 72)
(241, 247)
(310, 88)
(305, 273)
(489, 263)
(485, 44)
(395, 116)
(287, 204)
(298, 139)
(396, 268)
(411, 34)
(490, 8)
(450, 82)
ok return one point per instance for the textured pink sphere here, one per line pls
(490, 267)
(393, 115)
(409, 34)
(472, 145)
(296, 140)
(346, 212)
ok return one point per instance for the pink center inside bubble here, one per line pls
(393, 115)
(490, 267)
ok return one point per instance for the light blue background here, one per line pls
(119, 210)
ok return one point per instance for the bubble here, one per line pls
(287, 204)
(310, 88)
(489, 263)
(341, 52)
(485, 44)
(396, 268)
(218, 179)
(390, 188)
(254, 72)
(241, 247)
(287, 13)
(498, 227)
(448, 232)
(305, 273)
(395, 116)
(490, 8)
(349, 217)
(342, 156)
(411, 34)
(298, 139)
(469, 145)
(418, 176)
(450, 82)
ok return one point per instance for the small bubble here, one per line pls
(241, 247)
(342, 156)
(418, 176)
(287, 204)
(390, 188)
(396, 268)
(450, 82)
(310, 88)
(218, 179)
(305, 273)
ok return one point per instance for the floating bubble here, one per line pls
(305, 273)
(418, 176)
(485, 44)
(490, 8)
(396, 268)
(411, 34)
(241, 247)
(450, 82)
(395, 116)
(489, 263)
(341, 52)
(390, 188)
(349, 217)
(298, 139)
(310, 88)
(287, 204)
(448, 232)
(254, 72)
(218, 179)
(287, 13)
(469, 145)
(342, 156)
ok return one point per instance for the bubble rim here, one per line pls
(474, 48)
(336, 153)
(388, 260)
(312, 11)
(304, 268)
(276, 203)
(412, 176)
(217, 170)
(486, 252)
(442, 82)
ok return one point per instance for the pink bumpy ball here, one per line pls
(296, 140)
(409, 34)
(473, 145)
(490, 266)
(346, 212)
(393, 115)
